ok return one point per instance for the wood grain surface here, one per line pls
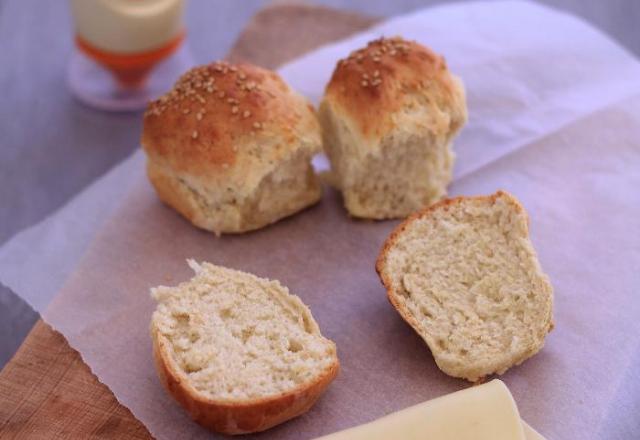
(46, 390)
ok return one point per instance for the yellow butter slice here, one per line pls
(483, 412)
(530, 433)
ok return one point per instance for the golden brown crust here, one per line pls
(202, 125)
(374, 82)
(237, 417)
(397, 232)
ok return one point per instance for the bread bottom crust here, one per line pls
(260, 210)
(236, 417)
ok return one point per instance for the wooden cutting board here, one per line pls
(46, 390)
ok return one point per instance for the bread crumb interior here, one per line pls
(237, 336)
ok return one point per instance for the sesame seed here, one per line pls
(233, 68)
(242, 75)
(246, 113)
(199, 116)
(234, 109)
(256, 125)
(393, 52)
(194, 135)
(364, 83)
(186, 111)
(365, 76)
(221, 94)
(376, 73)
(376, 59)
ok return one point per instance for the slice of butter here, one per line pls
(484, 412)
(530, 433)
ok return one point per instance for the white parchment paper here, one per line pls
(554, 118)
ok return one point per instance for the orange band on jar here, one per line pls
(130, 70)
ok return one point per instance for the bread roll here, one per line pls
(389, 115)
(229, 147)
(240, 353)
(464, 275)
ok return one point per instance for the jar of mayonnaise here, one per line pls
(126, 38)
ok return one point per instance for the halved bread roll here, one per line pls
(464, 275)
(240, 353)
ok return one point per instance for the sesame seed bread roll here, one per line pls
(388, 117)
(229, 147)
(464, 274)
